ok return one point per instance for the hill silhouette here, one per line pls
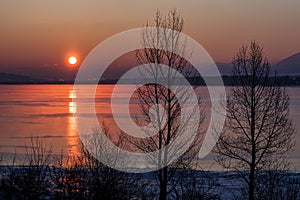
(289, 65)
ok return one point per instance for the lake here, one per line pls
(46, 111)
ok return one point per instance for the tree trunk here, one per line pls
(253, 135)
(163, 183)
(163, 190)
(251, 182)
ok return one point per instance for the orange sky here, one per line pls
(35, 33)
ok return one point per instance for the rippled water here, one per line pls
(46, 111)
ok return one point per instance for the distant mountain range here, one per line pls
(289, 66)
(13, 78)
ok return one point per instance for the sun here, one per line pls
(72, 60)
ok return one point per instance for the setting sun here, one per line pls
(72, 60)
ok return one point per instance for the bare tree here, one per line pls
(258, 131)
(83, 176)
(30, 180)
(107, 182)
(162, 105)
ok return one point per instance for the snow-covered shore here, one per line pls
(209, 184)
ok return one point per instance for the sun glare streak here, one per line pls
(72, 130)
(72, 107)
(72, 94)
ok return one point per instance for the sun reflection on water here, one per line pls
(72, 94)
(73, 139)
(72, 107)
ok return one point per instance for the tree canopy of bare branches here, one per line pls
(161, 104)
(258, 131)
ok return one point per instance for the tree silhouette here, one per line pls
(258, 131)
(162, 105)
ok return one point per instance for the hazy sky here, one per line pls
(39, 32)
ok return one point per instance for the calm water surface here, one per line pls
(46, 111)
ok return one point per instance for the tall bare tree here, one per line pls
(258, 131)
(159, 103)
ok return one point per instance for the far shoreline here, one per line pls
(287, 81)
